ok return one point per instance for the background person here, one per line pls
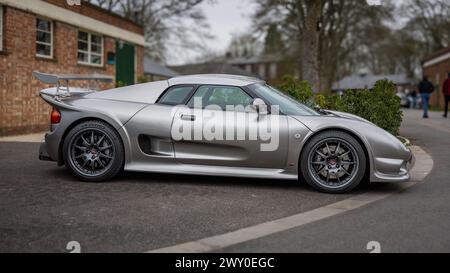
(446, 92)
(413, 95)
(425, 89)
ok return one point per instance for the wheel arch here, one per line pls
(73, 125)
(357, 137)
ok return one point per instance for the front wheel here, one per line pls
(93, 151)
(333, 162)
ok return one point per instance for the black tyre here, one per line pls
(93, 151)
(333, 162)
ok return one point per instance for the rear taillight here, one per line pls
(55, 116)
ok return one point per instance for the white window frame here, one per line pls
(89, 52)
(44, 43)
(273, 70)
(262, 70)
(1, 28)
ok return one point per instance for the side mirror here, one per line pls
(260, 106)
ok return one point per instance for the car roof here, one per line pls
(216, 79)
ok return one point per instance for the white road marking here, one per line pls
(422, 167)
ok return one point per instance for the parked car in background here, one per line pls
(405, 100)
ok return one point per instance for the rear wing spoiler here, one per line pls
(62, 80)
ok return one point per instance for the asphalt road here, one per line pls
(415, 220)
(42, 208)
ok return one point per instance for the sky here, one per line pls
(225, 17)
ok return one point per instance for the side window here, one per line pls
(203, 94)
(221, 96)
(176, 95)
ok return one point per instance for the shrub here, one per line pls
(299, 90)
(379, 105)
(142, 79)
(120, 84)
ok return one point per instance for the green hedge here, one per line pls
(380, 105)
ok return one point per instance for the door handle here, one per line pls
(188, 117)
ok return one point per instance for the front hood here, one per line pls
(348, 116)
(383, 143)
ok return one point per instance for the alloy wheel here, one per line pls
(333, 163)
(92, 152)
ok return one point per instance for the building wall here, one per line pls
(437, 74)
(100, 14)
(139, 62)
(21, 108)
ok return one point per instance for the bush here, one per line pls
(142, 79)
(120, 84)
(380, 105)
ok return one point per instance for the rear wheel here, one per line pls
(333, 162)
(93, 151)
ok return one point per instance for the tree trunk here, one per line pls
(310, 65)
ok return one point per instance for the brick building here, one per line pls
(52, 37)
(271, 68)
(436, 67)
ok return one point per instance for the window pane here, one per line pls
(96, 39)
(221, 96)
(43, 37)
(82, 36)
(176, 95)
(44, 50)
(202, 93)
(43, 25)
(96, 59)
(83, 57)
(82, 46)
(224, 96)
(96, 49)
(286, 104)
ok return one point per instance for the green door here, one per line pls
(124, 63)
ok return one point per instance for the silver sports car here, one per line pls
(221, 125)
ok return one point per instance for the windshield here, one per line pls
(287, 105)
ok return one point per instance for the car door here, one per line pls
(150, 128)
(222, 128)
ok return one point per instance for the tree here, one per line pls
(400, 49)
(350, 31)
(431, 21)
(273, 42)
(178, 23)
(107, 4)
(297, 19)
(243, 45)
(321, 34)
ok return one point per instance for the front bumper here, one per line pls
(393, 170)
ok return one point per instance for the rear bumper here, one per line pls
(48, 150)
(43, 154)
